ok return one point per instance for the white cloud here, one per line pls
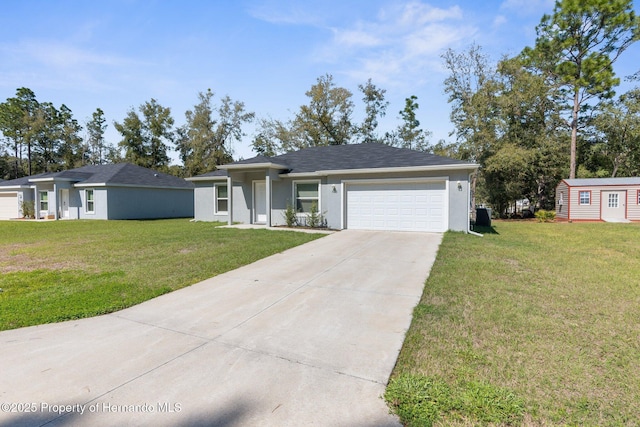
(355, 38)
(56, 64)
(528, 7)
(275, 12)
(499, 21)
(401, 45)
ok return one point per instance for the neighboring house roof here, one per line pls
(123, 174)
(218, 174)
(585, 182)
(350, 157)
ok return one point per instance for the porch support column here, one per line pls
(230, 200)
(268, 195)
(36, 202)
(56, 200)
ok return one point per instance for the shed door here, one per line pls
(614, 204)
(397, 206)
(8, 205)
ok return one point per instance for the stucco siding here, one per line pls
(204, 201)
(281, 196)
(242, 203)
(149, 203)
(100, 204)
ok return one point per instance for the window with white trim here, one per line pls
(306, 194)
(91, 204)
(221, 199)
(613, 200)
(585, 197)
(44, 201)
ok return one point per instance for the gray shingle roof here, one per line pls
(352, 157)
(359, 156)
(217, 172)
(110, 174)
(582, 182)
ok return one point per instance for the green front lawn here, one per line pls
(59, 270)
(537, 324)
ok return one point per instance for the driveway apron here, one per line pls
(308, 336)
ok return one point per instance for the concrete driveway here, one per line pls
(305, 337)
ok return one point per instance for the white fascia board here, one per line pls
(268, 165)
(369, 171)
(52, 179)
(102, 184)
(17, 187)
(400, 169)
(207, 178)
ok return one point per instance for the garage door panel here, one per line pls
(8, 205)
(397, 206)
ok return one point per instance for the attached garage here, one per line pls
(397, 206)
(9, 205)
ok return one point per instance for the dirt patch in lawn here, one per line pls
(18, 258)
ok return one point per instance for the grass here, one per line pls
(54, 271)
(533, 324)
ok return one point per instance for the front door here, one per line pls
(259, 202)
(613, 204)
(64, 201)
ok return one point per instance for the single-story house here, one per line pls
(356, 186)
(598, 199)
(111, 191)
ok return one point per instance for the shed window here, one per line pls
(44, 201)
(639, 197)
(222, 199)
(613, 200)
(91, 205)
(585, 197)
(306, 195)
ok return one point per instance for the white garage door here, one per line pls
(398, 206)
(8, 205)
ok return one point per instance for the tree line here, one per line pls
(38, 137)
(548, 113)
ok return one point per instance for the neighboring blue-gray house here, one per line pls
(112, 191)
(356, 186)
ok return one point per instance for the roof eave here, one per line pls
(107, 184)
(16, 187)
(268, 165)
(54, 179)
(368, 171)
(207, 178)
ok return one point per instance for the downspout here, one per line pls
(469, 230)
(230, 199)
(268, 196)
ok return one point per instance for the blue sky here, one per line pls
(266, 53)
